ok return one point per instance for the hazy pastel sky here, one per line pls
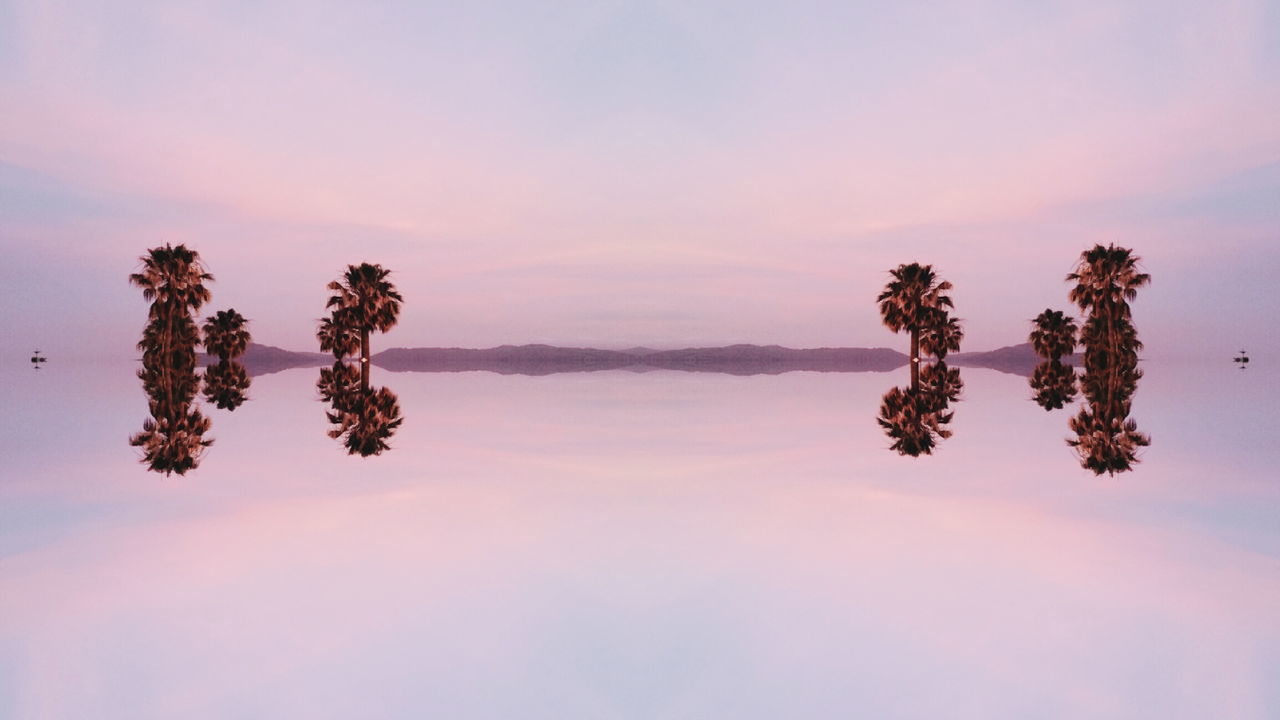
(620, 173)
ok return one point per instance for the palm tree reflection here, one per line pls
(364, 419)
(1053, 385)
(917, 416)
(172, 439)
(227, 337)
(1106, 439)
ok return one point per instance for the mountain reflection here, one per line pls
(364, 419)
(916, 417)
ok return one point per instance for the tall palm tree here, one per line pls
(1106, 276)
(173, 277)
(914, 300)
(226, 334)
(338, 335)
(362, 301)
(1053, 334)
(1106, 279)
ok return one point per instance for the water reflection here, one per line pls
(363, 300)
(363, 418)
(173, 438)
(225, 384)
(1053, 384)
(1106, 439)
(917, 416)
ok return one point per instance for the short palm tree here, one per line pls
(173, 277)
(1053, 334)
(362, 301)
(940, 334)
(915, 300)
(226, 334)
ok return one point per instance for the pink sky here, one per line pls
(639, 173)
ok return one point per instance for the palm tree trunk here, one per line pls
(364, 358)
(915, 358)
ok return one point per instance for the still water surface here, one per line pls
(639, 545)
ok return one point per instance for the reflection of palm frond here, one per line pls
(370, 420)
(338, 383)
(1054, 384)
(941, 383)
(173, 442)
(363, 419)
(915, 419)
(225, 384)
(1106, 443)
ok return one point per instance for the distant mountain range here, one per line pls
(549, 359)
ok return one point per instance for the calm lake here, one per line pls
(640, 545)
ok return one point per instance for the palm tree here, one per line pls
(172, 277)
(940, 334)
(914, 300)
(172, 439)
(1053, 334)
(173, 442)
(362, 301)
(338, 335)
(1106, 440)
(226, 334)
(1106, 277)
